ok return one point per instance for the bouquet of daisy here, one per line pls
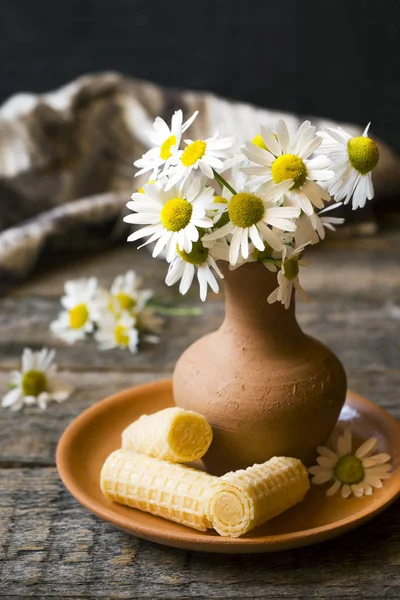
(266, 201)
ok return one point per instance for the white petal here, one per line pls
(160, 245)
(149, 230)
(270, 140)
(344, 442)
(283, 136)
(256, 239)
(213, 283)
(357, 489)
(245, 243)
(316, 469)
(187, 278)
(346, 491)
(219, 233)
(202, 284)
(373, 480)
(322, 477)
(313, 194)
(27, 360)
(327, 452)
(327, 462)
(11, 397)
(365, 132)
(273, 297)
(366, 447)
(334, 488)
(309, 148)
(378, 459)
(235, 246)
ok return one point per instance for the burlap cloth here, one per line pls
(66, 160)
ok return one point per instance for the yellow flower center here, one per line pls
(176, 214)
(289, 166)
(349, 469)
(121, 335)
(261, 255)
(258, 141)
(220, 200)
(197, 256)
(291, 266)
(34, 383)
(78, 316)
(193, 153)
(245, 209)
(125, 301)
(165, 149)
(363, 154)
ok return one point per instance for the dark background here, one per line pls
(335, 59)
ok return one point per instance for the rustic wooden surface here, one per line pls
(52, 547)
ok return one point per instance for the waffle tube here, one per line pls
(248, 498)
(168, 490)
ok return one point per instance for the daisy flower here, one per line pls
(83, 302)
(281, 158)
(126, 295)
(288, 277)
(356, 472)
(117, 332)
(310, 229)
(252, 217)
(36, 382)
(204, 155)
(171, 217)
(353, 159)
(166, 142)
(200, 261)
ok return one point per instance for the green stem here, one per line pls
(177, 311)
(223, 183)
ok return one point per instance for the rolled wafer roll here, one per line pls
(247, 498)
(168, 490)
(172, 434)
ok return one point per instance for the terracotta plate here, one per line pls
(96, 432)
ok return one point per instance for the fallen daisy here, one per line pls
(356, 472)
(118, 318)
(37, 382)
(126, 294)
(117, 332)
(83, 301)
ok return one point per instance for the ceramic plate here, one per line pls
(94, 434)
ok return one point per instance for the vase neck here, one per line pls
(247, 309)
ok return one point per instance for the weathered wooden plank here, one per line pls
(30, 437)
(52, 547)
(361, 331)
(25, 322)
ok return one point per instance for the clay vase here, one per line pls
(266, 387)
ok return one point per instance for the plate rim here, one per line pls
(194, 539)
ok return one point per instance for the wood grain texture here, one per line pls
(51, 547)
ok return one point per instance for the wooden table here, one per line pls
(51, 547)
